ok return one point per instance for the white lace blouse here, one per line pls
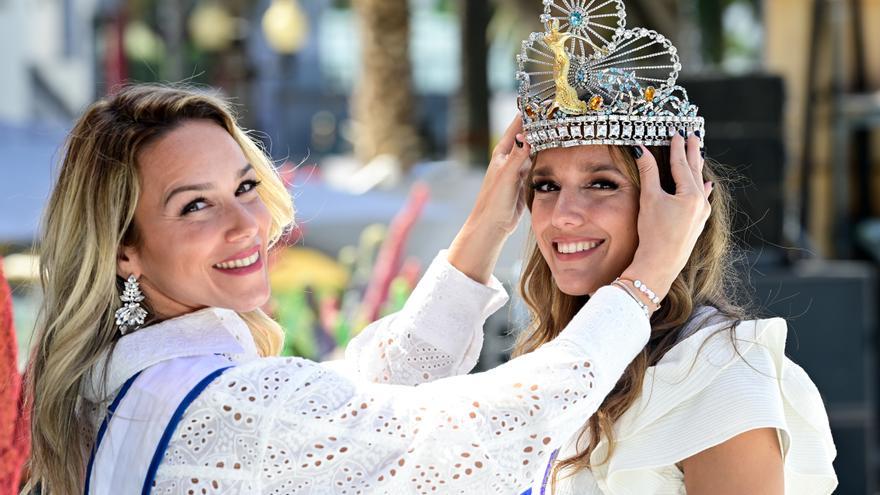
(288, 425)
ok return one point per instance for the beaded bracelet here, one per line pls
(641, 287)
(635, 298)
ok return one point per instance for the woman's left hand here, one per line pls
(669, 224)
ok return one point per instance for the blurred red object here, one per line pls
(388, 262)
(14, 420)
(115, 64)
(299, 174)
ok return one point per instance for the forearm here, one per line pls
(438, 333)
(475, 250)
(533, 403)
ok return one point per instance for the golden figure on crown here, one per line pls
(566, 98)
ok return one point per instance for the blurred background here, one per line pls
(381, 115)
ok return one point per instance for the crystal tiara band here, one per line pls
(616, 130)
(588, 80)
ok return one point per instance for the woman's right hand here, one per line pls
(498, 208)
(669, 224)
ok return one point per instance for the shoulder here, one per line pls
(266, 380)
(285, 387)
(230, 420)
(721, 381)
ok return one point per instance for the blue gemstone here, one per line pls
(576, 19)
(580, 76)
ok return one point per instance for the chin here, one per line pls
(249, 302)
(575, 288)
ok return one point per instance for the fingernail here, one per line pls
(637, 151)
(516, 140)
(682, 133)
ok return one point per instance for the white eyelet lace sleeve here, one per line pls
(438, 333)
(290, 426)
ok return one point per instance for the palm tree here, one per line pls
(383, 103)
(470, 117)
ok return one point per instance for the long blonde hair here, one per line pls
(89, 216)
(707, 279)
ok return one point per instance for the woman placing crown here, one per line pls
(164, 204)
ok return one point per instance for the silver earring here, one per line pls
(131, 315)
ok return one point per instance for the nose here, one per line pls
(569, 210)
(243, 224)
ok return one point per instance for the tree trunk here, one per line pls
(383, 106)
(471, 117)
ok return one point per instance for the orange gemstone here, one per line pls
(649, 93)
(596, 102)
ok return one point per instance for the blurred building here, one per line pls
(48, 58)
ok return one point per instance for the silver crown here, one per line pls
(588, 80)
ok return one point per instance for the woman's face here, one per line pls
(201, 224)
(584, 215)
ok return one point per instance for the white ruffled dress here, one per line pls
(703, 392)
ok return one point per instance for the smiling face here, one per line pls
(201, 226)
(584, 216)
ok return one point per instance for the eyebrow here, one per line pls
(544, 170)
(200, 187)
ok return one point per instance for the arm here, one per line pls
(439, 331)
(437, 334)
(750, 462)
(482, 433)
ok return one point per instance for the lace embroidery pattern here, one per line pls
(289, 426)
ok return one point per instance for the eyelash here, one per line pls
(250, 182)
(190, 207)
(542, 186)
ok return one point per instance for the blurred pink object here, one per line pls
(300, 174)
(14, 430)
(389, 259)
(411, 271)
(115, 64)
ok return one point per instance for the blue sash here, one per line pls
(145, 414)
(546, 474)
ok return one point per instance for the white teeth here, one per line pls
(250, 260)
(575, 247)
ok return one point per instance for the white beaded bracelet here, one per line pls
(641, 287)
(638, 301)
(648, 292)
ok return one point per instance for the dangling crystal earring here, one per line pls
(131, 315)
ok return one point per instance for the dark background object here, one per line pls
(744, 133)
(831, 310)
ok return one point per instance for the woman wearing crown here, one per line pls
(710, 405)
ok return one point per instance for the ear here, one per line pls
(128, 262)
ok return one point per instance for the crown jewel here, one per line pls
(588, 80)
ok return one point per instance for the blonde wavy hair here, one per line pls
(89, 216)
(707, 279)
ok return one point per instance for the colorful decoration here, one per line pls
(389, 260)
(14, 420)
(321, 303)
